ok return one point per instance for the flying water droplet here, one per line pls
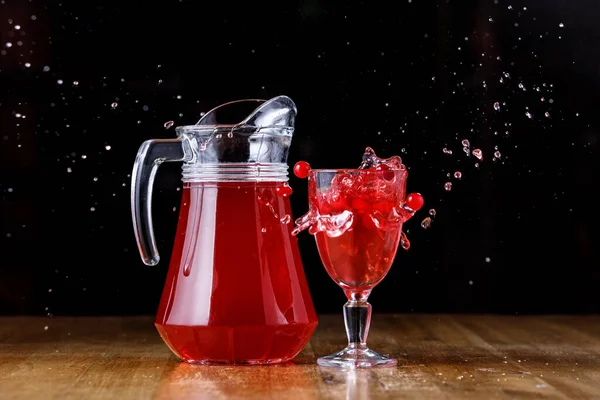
(521, 86)
(547, 114)
(447, 151)
(404, 242)
(426, 223)
(561, 25)
(263, 230)
(114, 105)
(108, 147)
(458, 175)
(497, 106)
(27, 65)
(497, 154)
(465, 143)
(60, 81)
(528, 115)
(478, 153)
(432, 212)
(286, 219)
(169, 124)
(75, 83)
(448, 186)
(230, 134)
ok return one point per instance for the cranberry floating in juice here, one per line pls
(236, 290)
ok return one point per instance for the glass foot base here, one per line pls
(357, 357)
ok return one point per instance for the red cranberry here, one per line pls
(301, 169)
(414, 201)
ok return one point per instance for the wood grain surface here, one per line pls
(440, 357)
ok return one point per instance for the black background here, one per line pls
(406, 77)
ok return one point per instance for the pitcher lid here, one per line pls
(276, 115)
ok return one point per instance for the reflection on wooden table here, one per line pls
(440, 356)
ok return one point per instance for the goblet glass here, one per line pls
(358, 218)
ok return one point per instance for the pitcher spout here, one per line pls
(280, 111)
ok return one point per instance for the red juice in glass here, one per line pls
(356, 216)
(235, 290)
(361, 256)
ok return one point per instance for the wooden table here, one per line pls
(440, 356)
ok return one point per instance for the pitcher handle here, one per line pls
(150, 155)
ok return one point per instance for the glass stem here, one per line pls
(357, 317)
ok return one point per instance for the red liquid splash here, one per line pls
(235, 291)
(358, 258)
(356, 217)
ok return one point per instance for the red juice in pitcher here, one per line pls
(235, 290)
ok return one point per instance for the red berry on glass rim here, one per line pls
(414, 201)
(301, 169)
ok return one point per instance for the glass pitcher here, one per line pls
(236, 290)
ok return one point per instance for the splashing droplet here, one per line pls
(404, 242)
(426, 223)
(465, 143)
(478, 153)
(497, 106)
(114, 105)
(528, 115)
(448, 186)
(230, 134)
(432, 212)
(497, 154)
(522, 87)
(169, 124)
(447, 151)
(458, 175)
(286, 219)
